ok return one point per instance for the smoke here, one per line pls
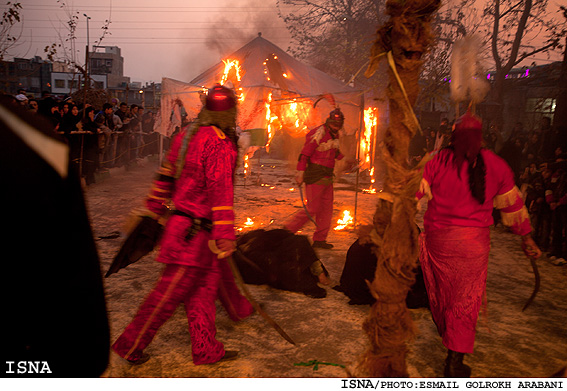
(240, 27)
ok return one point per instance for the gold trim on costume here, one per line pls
(223, 222)
(515, 218)
(507, 199)
(215, 208)
(170, 288)
(160, 190)
(219, 132)
(425, 189)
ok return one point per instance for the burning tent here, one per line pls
(276, 92)
(278, 96)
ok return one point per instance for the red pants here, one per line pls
(320, 207)
(197, 289)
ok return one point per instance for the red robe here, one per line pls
(323, 149)
(456, 242)
(193, 274)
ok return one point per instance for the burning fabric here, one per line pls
(280, 259)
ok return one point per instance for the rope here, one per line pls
(316, 363)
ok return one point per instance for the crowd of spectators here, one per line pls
(539, 161)
(99, 138)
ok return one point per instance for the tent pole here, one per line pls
(160, 148)
(361, 127)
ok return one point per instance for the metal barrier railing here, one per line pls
(110, 149)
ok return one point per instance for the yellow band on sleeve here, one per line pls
(507, 199)
(515, 218)
(215, 208)
(223, 222)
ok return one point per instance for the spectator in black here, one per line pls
(63, 108)
(46, 103)
(135, 128)
(539, 210)
(148, 122)
(69, 121)
(70, 124)
(417, 148)
(124, 115)
(532, 150)
(90, 145)
(512, 153)
(124, 142)
(556, 196)
(108, 123)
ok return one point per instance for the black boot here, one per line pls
(454, 366)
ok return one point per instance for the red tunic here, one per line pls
(453, 204)
(204, 190)
(320, 148)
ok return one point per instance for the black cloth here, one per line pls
(54, 308)
(280, 259)
(360, 265)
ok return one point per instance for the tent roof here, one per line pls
(302, 79)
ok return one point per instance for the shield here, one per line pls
(140, 242)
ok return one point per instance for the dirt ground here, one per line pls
(510, 343)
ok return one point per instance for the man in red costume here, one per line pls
(463, 182)
(315, 168)
(197, 176)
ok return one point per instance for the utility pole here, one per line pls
(87, 67)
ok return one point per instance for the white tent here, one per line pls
(277, 92)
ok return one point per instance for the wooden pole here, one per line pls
(360, 130)
(402, 41)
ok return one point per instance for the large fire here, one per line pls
(235, 77)
(344, 222)
(368, 143)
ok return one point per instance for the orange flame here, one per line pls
(345, 221)
(246, 165)
(367, 146)
(236, 76)
(270, 120)
(249, 222)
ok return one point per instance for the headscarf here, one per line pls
(466, 141)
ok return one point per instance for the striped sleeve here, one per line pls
(513, 211)
(164, 183)
(219, 163)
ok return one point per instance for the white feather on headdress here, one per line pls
(467, 79)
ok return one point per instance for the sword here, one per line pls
(536, 287)
(238, 277)
(305, 207)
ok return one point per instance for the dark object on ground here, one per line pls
(360, 265)
(140, 242)
(280, 259)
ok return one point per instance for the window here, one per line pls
(99, 85)
(536, 108)
(59, 83)
(72, 83)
